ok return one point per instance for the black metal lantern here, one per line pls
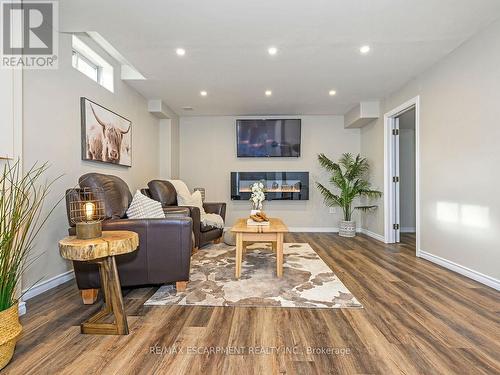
(87, 211)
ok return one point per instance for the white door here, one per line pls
(395, 179)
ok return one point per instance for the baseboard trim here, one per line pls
(329, 230)
(462, 270)
(308, 229)
(314, 229)
(374, 235)
(48, 284)
(22, 308)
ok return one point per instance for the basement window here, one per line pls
(88, 62)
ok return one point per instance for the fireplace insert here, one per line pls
(277, 185)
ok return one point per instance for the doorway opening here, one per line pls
(401, 201)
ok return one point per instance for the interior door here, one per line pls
(395, 180)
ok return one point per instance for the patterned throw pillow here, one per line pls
(143, 207)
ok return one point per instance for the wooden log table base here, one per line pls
(102, 251)
(113, 303)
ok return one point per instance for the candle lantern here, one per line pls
(87, 211)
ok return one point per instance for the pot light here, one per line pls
(364, 49)
(332, 92)
(203, 93)
(180, 51)
(268, 92)
(272, 51)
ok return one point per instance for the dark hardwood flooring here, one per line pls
(418, 318)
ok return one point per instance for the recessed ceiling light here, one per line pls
(272, 51)
(203, 93)
(332, 92)
(364, 49)
(180, 51)
(268, 92)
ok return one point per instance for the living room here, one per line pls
(228, 187)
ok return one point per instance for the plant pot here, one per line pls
(10, 328)
(347, 228)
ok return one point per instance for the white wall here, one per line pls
(459, 155)
(6, 113)
(52, 133)
(169, 144)
(208, 155)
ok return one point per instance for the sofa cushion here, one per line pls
(143, 207)
(117, 195)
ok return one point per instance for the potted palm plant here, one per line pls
(349, 176)
(21, 202)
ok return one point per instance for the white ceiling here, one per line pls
(318, 41)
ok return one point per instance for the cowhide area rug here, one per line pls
(307, 281)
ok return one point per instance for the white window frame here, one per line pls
(98, 69)
(104, 70)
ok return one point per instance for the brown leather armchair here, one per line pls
(165, 245)
(164, 192)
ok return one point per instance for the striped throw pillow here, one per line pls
(143, 207)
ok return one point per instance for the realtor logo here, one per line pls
(29, 36)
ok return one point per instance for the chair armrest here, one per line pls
(215, 208)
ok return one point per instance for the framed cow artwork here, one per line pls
(106, 136)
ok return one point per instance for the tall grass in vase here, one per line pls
(22, 196)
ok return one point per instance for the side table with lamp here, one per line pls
(93, 245)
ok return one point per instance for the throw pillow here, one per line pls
(193, 200)
(143, 207)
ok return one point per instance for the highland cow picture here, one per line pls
(106, 136)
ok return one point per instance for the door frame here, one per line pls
(389, 189)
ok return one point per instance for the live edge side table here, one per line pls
(102, 251)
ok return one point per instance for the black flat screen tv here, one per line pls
(268, 138)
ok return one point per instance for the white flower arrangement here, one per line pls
(258, 195)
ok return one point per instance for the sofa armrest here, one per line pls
(196, 217)
(215, 208)
(167, 243)
(176, 211)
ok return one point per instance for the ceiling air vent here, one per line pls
(187, 108)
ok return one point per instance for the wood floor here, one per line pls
(418, 318)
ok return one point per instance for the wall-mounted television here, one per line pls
(268, 138)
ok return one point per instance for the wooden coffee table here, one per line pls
(269, 233)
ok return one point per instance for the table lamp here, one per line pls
(87, 211)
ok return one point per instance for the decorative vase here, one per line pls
(10, 328)
(347, 228)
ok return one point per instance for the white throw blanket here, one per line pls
(212, 220)
(185, 198)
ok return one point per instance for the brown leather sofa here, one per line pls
(164, 192)
(165, 245)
